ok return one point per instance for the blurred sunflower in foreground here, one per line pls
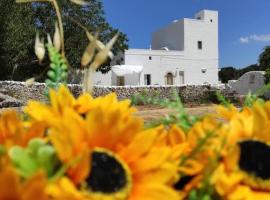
(244, 170)
(89, 148)
(107, 150)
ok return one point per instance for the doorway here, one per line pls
(169, 79)
(120, 80)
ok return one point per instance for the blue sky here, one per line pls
(244, 25)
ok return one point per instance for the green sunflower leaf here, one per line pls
(22, 161)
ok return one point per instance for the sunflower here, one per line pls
(108, 149)
(176, 139)
(11, 187)
(203, 143)
(226, 112)
(244, 172)
(14, 131)
(64, 189)
(59, 101)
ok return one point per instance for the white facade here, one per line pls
(184, 52)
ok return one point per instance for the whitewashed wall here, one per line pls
(164, 62)
(248, 82)
(102, 79)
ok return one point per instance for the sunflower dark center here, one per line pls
(107, 174)
(255, 158)
(179, 185)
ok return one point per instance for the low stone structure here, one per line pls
(249, 82)
(188, 93)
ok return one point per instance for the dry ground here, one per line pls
(150, 112)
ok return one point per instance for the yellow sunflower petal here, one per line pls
(139, 146)
(64, 189)
(154, 191)
(153, 160)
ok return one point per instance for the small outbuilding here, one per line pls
(249, 82)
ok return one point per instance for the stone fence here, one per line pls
(188, 93)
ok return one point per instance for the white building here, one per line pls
(184, 52)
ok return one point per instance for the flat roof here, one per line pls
(153, 52)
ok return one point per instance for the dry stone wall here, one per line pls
(188, 93)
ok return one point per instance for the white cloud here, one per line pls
(244, 39)
(255, 38)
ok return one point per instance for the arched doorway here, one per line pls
(169, 78)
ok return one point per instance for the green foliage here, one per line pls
(223, 101)
(227, 73)
(91, 16)
(58, 69)
(18, 26)
(264, 58)
(230, 73)
(249, 68)
(250, 99)
(267, 75)
(16, 37)
(264, 62)
(257, 96)
(197, 195)
(144, 97)
(37, 155)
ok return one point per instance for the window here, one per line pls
(182, 77)
(150, 57)
(147, 79)
(169, 78)
(199, 44)
(120, 80)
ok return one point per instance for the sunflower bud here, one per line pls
(89, 52)
(80, 2)
(39, 48)
(57, 38)
(49, 39)
(29, 82)
(99, 44)
(102, 56)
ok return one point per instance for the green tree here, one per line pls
(41, 16)
(231, 73)
(264, 58)
(264, 61)
(227, 73)
(16, 37)
(249, 68)
(267, 75)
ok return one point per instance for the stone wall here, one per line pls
(188, 94)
